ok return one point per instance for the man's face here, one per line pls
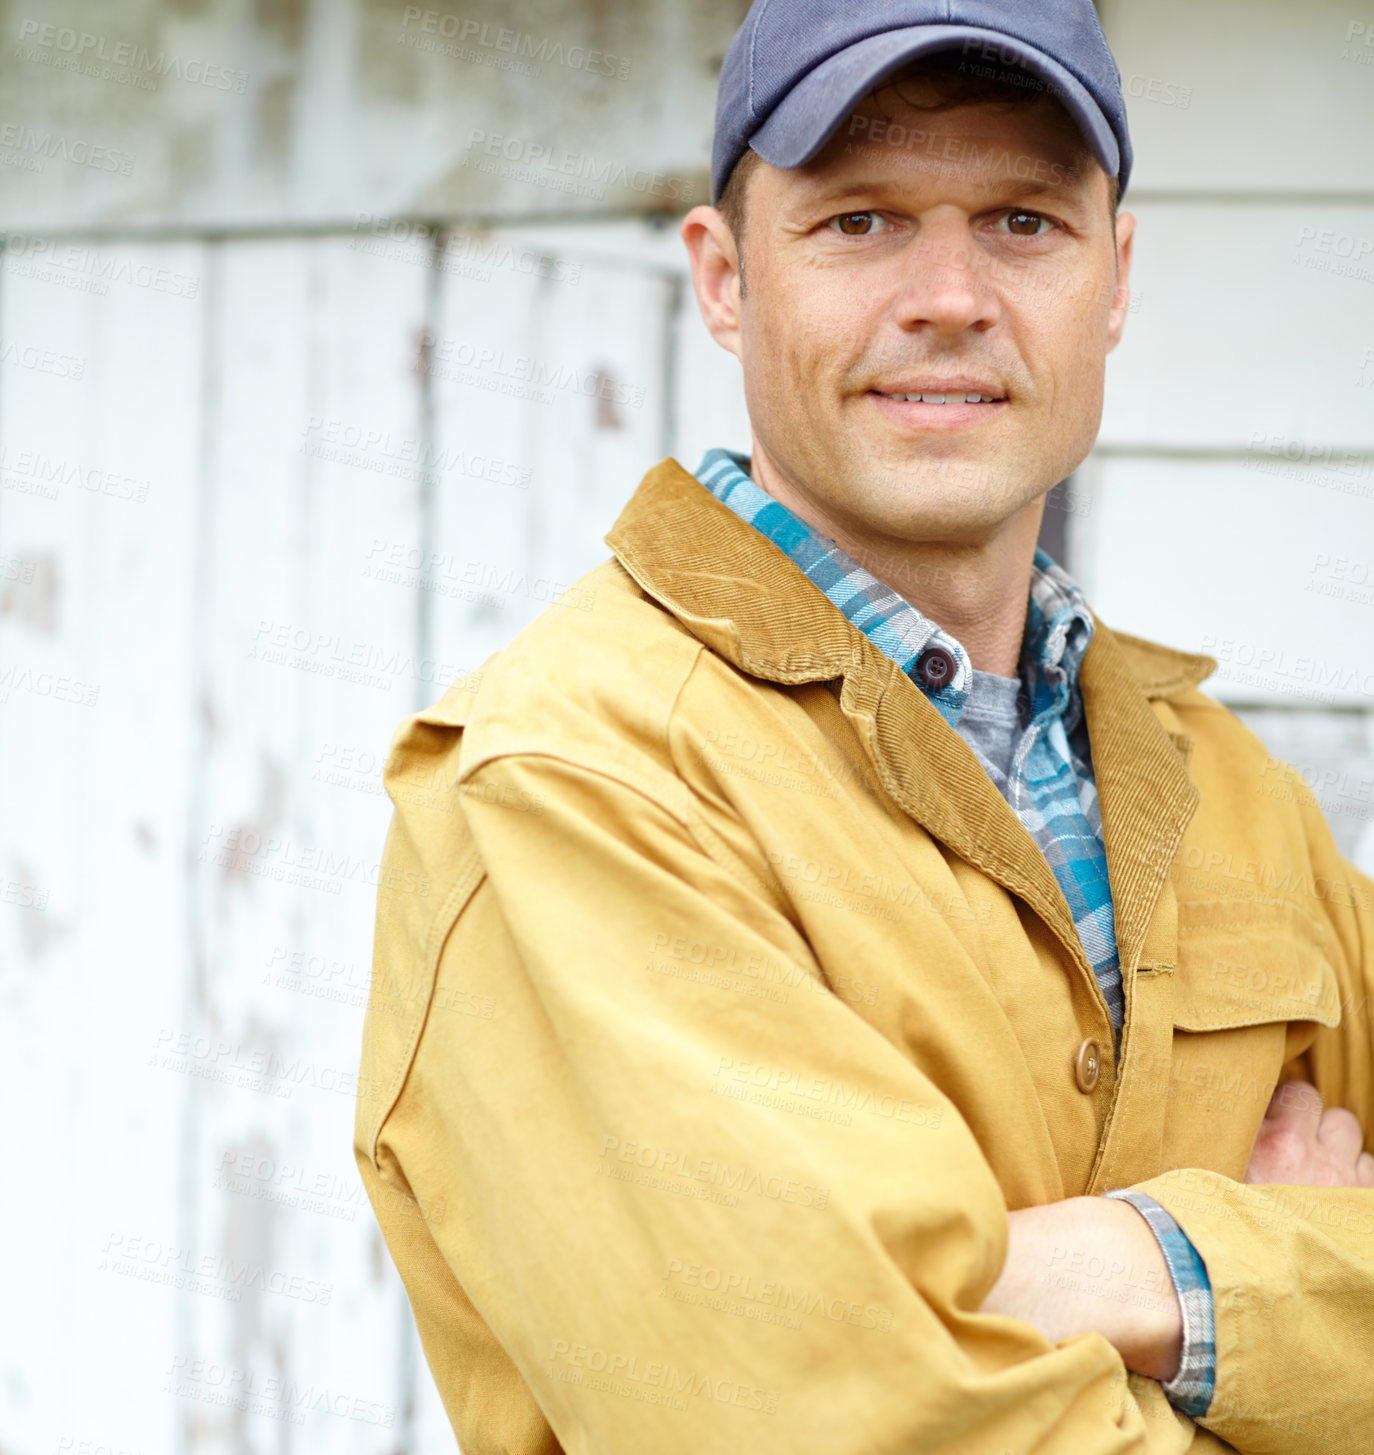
(953, 252)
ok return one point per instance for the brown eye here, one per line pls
(855, 224)
(1024, 224)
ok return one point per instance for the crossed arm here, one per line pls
(1299, 1144)
(587, 1255)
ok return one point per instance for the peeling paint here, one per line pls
(32, 593)
(249, 1238)
(257, 831)
(39, 928)
(607, 415)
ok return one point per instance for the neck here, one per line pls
(976, 591)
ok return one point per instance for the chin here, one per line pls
(966, 518)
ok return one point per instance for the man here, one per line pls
(860, 981)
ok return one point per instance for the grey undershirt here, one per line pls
(992, 723)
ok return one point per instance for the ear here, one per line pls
(1121, 298)
(715, 274)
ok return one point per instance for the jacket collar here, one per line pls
(1058, 624)
(747, 601)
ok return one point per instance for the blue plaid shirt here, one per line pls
(1050, 787)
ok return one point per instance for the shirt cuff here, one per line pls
(1190, 1390)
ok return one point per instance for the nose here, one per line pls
(946, 287)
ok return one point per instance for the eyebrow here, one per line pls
(1021, 187)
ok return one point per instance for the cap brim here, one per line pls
(807, 116)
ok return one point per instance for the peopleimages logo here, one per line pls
(1266, 665)
(67, 49)
(487, 366)
(35, 147)
(472, 255)
(500, 46)
(1359, 42)
(1152, 88)
(99, 265)
(538, 162)
(1342, 254)
(876, 131)
(274, 1396)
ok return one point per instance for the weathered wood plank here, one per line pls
(309, 665)
(99, 417)
(1257, 564)
(557, 378)
(308, 114)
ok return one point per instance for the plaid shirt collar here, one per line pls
(1059, 625)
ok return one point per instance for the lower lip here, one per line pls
(915, 415)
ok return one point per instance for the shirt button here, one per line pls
(1087, 1065)
(936, 668)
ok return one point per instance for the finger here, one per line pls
(1297, 1103)
(1364, 1170)
(1339, 1131)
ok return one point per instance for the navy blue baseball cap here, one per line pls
(797, 68)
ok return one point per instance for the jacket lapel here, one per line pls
(932, 773)
(747, 601)
(1144, 791)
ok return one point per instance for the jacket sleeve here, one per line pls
(703, 1206)
(1292, 1268)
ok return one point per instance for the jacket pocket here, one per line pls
(1251, 963)
(1246, 971)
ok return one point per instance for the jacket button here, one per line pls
(936, 668)
(1087, 1065)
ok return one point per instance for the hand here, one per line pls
(1091, 1264)
(1300, 1144)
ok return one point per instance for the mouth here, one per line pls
(936, 404)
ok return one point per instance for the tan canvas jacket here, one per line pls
(740, 1010)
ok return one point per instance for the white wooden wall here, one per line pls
(261, 525)
(1229, 506)
(261, 494)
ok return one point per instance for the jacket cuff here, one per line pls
(1190, 1390)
